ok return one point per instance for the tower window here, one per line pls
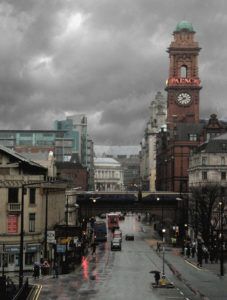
(183, 72)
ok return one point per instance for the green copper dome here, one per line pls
(184, 25)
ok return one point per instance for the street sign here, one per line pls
(61, 248)
(51, 236)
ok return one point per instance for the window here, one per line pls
(204, 175)
(13, 195)
(222, 160)
(204, 160)
(224, 147)
(29, 258)
(223, 175)
(183, 71)
(192, 137)
(32, 222)
(32, 195)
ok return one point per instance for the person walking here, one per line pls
(199, 255)
(55, 269)
(36, 270)
(93, 248)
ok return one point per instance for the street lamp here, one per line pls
(23, 192)
(221, 210)
(163, 252)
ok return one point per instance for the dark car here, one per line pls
(129, 237)
(115, 244)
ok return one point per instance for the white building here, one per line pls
(208, 164)
(148, 144)
(108, 175)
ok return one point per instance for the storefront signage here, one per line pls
(182, 81)
(51, 236)
(33, 248)
(12, 248)
(12, 223)
(61, 248)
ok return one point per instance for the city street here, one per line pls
(117, 275)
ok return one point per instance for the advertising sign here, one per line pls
(12, 223)
(51, 236)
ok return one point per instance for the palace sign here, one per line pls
(183, 81)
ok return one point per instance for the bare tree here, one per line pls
(202, 201)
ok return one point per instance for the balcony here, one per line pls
(14, 207)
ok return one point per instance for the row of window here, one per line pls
(205, 176)
(106, 174)
(13, 195)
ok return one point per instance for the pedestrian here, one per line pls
(199, 255)
(158, 247)
(205, 254)
(157, 277)
(93, 248)
(212, 255)
(36, 270)
(193, 250)
(55, 269)
(188, 250)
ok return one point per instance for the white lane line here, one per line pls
(191, 264)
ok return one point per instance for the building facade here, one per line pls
(183, 119)
(108, 175)
(19, 174)
(208, 163)
(148, 144)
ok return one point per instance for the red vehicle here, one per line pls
(113, 221)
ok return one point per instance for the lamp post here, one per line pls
(221, 210)
(21, 260)
(163, 252)
(46, 225)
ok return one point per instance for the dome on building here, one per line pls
(184, 25)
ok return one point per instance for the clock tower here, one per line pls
(183, 84)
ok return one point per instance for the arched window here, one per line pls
(183, 71)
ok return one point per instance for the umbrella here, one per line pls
(154, 272)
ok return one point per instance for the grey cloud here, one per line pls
(114, 63)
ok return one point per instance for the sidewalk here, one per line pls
(204, 282)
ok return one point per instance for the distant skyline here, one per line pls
(103, 58)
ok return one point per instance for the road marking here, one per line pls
(38, 291)
(191, 264)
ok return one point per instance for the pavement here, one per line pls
(204, 281)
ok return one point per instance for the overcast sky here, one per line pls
(104, 58)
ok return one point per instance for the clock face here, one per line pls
(184, 99)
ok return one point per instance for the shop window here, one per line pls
(13, 195)
(32, 222)
(29, 258)
(32, 195)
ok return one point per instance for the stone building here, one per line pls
(208, 163)
(108, 175)
(17, 172)
(148, 145)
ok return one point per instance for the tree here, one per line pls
(202, 201)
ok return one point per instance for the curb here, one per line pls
(181, 278)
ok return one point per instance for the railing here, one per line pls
(16, 207)
(23, 291)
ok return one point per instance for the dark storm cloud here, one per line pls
(104, 58)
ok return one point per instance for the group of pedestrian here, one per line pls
(201, 251)
(43, 268)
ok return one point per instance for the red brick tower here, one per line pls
(183, 84)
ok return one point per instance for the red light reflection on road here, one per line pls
(85, 267)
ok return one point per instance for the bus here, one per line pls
(113, 221)
(100, 231)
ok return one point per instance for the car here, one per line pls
(117, 234)
(115, 244)
(129, 237)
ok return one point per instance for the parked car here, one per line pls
(129, 237)
(115, 244)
